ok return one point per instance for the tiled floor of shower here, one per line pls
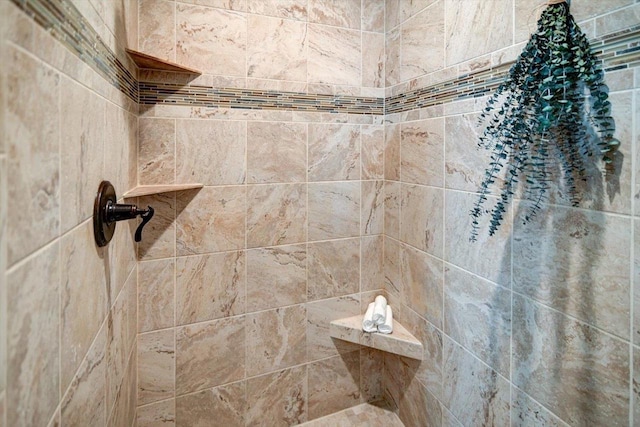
(364, 415)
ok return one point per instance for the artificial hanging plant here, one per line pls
(544, 116)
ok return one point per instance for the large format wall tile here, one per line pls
(527, 412)
(392, 65)
(422, 148)
(392, 202)
(421, 222)
(392, 140)
(423, 33)
(636, 283)
(334, 152)
(334, 384)
(372, 220)
(344, 13)
(372, 152)
(226, 405)
(578, 372)
(278, 399)
(392, 278)
(156, 27)
(333, 269)
(372, 259)
(373, 15)
(157, 414)
(156, 366)
(159, 235)
(294, 9)
(422, 283)
(121, 148)
(319, 315)
(334, 55)
(276, 152)
(156, 151)
(373, 57)
(156, 295)
(334, 210)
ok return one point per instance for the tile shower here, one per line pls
(345, 168)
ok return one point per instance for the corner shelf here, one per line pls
(399, 342)
(143, 60)
(147, 190)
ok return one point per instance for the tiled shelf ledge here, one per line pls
(146, 190)
(400, 342)
(143, 60)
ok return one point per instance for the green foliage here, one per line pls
(545, 113)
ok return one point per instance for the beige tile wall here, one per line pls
(67, 309)
(536, 325)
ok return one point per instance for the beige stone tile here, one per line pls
(527, 412)
(372, 211)
(372, 151)
(392, 140)
(373, 15)
(276, 339)
(294, 9)
(121, 259)
(391, 14)
(334, 152)
(117, 355)
(635, 397)
(373, 57)
(210, 286)
(392, 279)
(334, 210)
(210, 220)
(578, 372)
(123, 413)
(211, 152)
(156, 151)
(467, 22)
(159, 235)
(277, 48)
(211, 40)
(423, 33)
(156, 366)
(84, 401)
(319, 315)
(636, 283)
(392, 209)
(334, 55)
(334, 384)
(376, 414)
(3, 265)
(618, 20)
(33, 192)
(157, 414)
(392, 51)
(334, 268)
(372, 369)
(418, 407)
(156, 305)
(372, 255)
(276, 214)
(209, 354)
(422, 283)
(280, 398)
(345, 13)
(121, 149)
(33, 322)
(422, 147)
(84, 297)
(576, 262)
(478, 316)
(226, 405)
(82, 152)
(276, 277)
(421, 218)
(284, 161)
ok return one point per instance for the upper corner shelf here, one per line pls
(147, 190)
(143, 60)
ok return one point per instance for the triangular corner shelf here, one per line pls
(150, 62)
(147, 190)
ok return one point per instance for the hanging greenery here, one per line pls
(544, 116)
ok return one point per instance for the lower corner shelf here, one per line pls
(399, 342)
(147, 190)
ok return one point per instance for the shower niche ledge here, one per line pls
(147, 190)
(400, 342)
(150, 62)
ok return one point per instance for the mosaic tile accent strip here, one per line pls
(67, 25)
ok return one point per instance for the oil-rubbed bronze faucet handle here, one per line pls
(146, 217)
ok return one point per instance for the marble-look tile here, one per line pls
(84, 401)
(33, 162)
(156, 283)
(392, 138)
(276, 214)
(576, 262)
(156, 366)
(156, 151)
(211, 152)
(271, 162)
(473, 392)
(209, 354)
(294, 9)
(371, 380)
(618, 20)
(392, 209)
(421, 218)
(448, 419)
(418, 407)
(210, 286)
(334, 55)
(344, 13)
(376, 414)
(334, 384)
(33, 322)
(526, 412)
(319, 315)
(333, 269)
(467, 22)
(226, 405)
(117, 354)
(579, 373)
(123, 413)
(372, 256)
(334, 152)
(210, 220)
(276, 339)
(490, 256)
(372, 151)
(211, 40)
(83, 297)
(392, 50)
(478, 316)
(239, 5)
(82, 155)
(635, 396)
(157, 29)
(121, 148)
(159, 235)
(373, 15)
(276, 49)
(334, 210)
(159, 414)
(121, 259)
(280, 398)
(422, 283)
(392, 279)
(635, 331)
(276, 277)
(373, 60)
(412, 7)
(423, 33)
(3, 265)
(372, 212)
(422, 147)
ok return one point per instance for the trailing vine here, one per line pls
(545, 113)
